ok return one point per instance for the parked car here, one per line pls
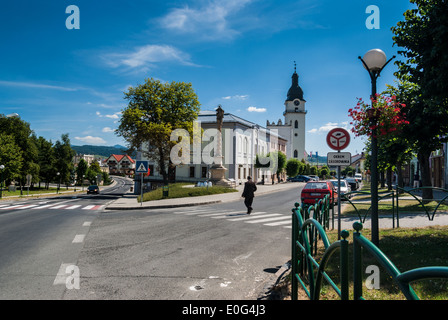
(93, 189)
(345, 187)
(358, 177)
(316, 190)
(299, 178)
(313, 177)
(354, 184)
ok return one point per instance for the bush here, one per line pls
(179, 190)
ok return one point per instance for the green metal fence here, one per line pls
(308, 227)
(395, 196)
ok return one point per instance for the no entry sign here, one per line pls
(338, 139)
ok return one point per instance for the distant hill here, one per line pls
(103, 151)
(313, 160)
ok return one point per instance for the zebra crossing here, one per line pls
(52, 206)
(270, 219)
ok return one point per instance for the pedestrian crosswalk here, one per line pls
(51, 206)
(270, 219)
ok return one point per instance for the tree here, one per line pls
(10, 157)
(154, 110)
(81, 170)
(293, 167)
(22, 134)
(324, 172)
(93, 171)
(46, 160)
(423, 38)
(64, 158)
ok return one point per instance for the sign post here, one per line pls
(142, 167)
(338, 139)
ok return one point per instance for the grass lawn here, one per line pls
(407, 248)
(181, 190)
(34, 191)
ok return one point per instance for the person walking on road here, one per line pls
(248, 194)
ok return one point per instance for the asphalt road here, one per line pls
(181, 253)
(40, 237)
(203, 252)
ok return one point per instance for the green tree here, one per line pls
(424, 74)
(324, 172)
(64, 158)
(22, 134)
(293, 167)
(46, 160)
(154, 110)
(93, 171)
(10, 157)
(81, 170)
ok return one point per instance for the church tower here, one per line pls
(295, 116)
(293, 128)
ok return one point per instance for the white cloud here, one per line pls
(326, 128)
(35, 85)
(210, 21)
(236, 97)
(91, 140)
(107, 129)
(255, 109)
(116, 115)
(147, 56)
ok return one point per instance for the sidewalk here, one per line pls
(129, 200)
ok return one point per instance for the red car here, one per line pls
(316, 190)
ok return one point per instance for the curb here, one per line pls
(163, 206)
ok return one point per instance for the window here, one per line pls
(204, 172)
(296, 154)
(296, 124)
(192, 172)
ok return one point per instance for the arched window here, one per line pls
(296, 124)
(296, 154)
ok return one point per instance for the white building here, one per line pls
(293, 128)
(242, 140)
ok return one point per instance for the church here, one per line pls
(293, 127)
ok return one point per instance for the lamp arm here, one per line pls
(386, 64)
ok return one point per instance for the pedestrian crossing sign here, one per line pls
(141, 166)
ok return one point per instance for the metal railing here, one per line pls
(307, 272)
(394, 195)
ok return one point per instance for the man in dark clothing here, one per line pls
(248, 194)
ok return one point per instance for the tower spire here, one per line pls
(295, 65)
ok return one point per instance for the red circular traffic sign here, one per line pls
(338, 139)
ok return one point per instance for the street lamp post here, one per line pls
(1, 180)
(374, 61)
(59, 182)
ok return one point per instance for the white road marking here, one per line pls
(79, 238)
(269, 219)
(73, 207)
(273, 224)
(256, 215)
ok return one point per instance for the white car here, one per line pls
(358, 177)
(345, 187)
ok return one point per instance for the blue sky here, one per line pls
(237, 53)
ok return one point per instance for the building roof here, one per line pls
(210, 117)
(295, 92)
(120, 157)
